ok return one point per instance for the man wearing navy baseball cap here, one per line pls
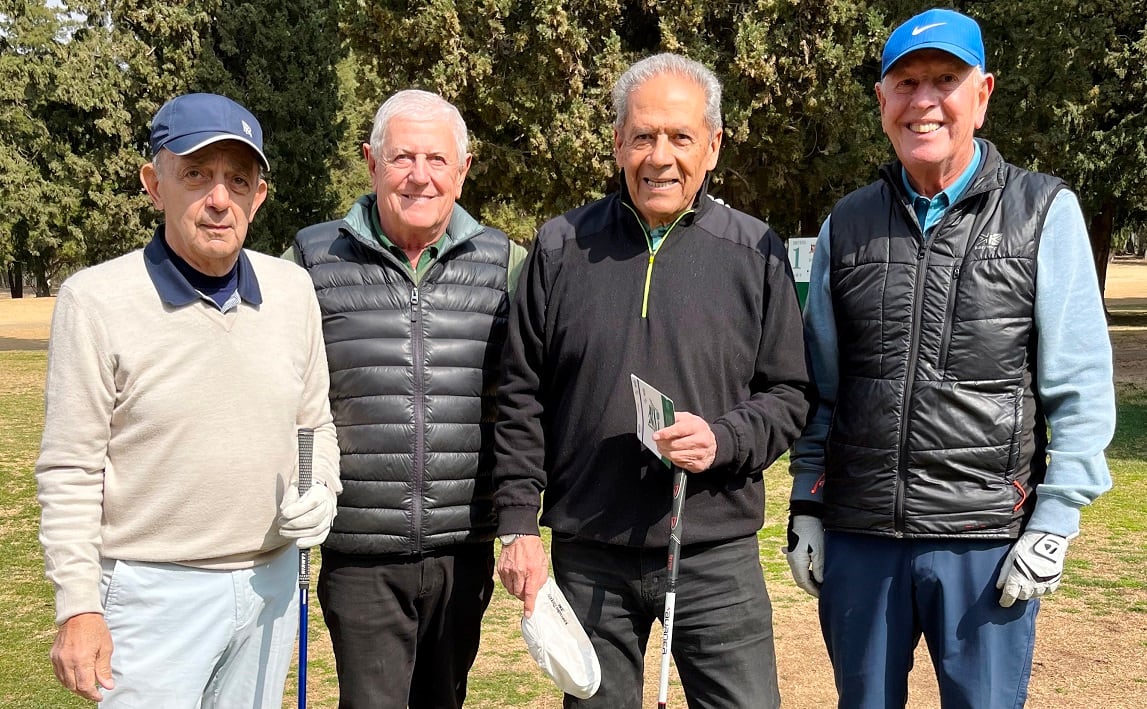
(191, 122)
(961, 427)
(178, 377)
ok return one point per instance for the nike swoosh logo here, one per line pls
(925, 28)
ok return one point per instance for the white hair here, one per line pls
(412, 103)
(667, 63)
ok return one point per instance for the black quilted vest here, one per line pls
(937, 430)
(413, 376)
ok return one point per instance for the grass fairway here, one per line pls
(1089, 653)
(26, 628)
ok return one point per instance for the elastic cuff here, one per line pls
(807, 508)
(518, 520)
(726, 445)
(1053, 515)
(807, 486)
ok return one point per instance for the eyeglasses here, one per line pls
(406, 161)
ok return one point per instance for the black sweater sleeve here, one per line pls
(519, 436)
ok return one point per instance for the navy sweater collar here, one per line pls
(172, 286)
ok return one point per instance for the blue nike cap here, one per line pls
(946, 30)
(192, 121)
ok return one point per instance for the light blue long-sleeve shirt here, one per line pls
(1074, 367)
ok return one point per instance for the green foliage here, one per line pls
(1070, 100)
(533, 81)
(791, 71)
(78, 88)
(1080, 96)
(69, 149)
(279, 59)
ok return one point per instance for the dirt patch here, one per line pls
(24, 323)
(1126, 283)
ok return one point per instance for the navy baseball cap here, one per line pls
(947, 30)
(192, 121)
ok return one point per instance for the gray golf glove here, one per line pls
(307, 519)
(805, 552)
(1033, 568)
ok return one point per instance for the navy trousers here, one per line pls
(722, 630)
(880, 595)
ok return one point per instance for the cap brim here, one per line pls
(959, 52)
(190, 143)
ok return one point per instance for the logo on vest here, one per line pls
(988, 241)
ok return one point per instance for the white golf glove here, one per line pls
(805, 552)
(307, 519)
(1033, 568)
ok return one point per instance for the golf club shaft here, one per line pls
(306, 448)
(676, 529)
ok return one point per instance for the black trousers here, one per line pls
(722, 630)
(405, 630)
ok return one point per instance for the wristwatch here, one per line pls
(508, 539)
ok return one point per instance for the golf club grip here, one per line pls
(306, 455)
(676, 523)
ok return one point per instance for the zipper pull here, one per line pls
(414, 304)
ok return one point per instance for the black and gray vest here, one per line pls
(414, 370)
(937, 430)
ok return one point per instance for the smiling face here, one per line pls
(208, 199)
(417, 177)
(931, 104)
(665, 147)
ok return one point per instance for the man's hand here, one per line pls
(523, 568)
(689, 443)
(805, 552)
(82, 655)
(1033, 568)
(307, 519)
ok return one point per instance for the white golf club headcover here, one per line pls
(559, 645)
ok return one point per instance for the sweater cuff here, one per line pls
(70, 604)
(726, 445)
(1054, 515)
(518, 520)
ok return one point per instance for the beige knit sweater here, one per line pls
(170, 433)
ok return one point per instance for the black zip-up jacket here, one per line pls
(937, 430)
(414, 369)
(711, 320)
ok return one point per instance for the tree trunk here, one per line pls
(16, 279)
(1102, 224)
(810, 225)
(43, 285)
